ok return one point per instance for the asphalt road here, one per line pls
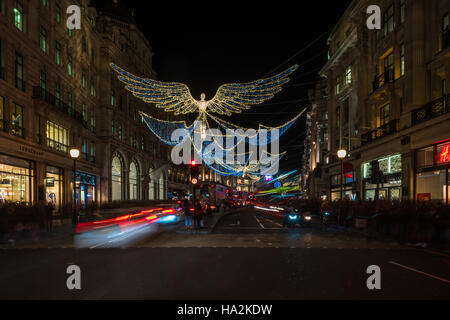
(248, 256)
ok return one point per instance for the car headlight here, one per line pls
(308, 218)
(292, 217)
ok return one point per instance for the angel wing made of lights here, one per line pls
(230, 98)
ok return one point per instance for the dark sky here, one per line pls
(208, 44)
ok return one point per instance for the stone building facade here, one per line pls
(57, 91)
(388, 102)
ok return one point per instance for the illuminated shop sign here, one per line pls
(444, 156)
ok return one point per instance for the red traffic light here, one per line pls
(194, 181)
(193, 163)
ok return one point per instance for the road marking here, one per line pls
(418, 271)
(259, 222)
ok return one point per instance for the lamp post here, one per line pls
(342, 153)
(74, 154)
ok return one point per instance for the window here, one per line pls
(58, 13)
(57, 137)
(117, 173)
(142, 143)
(389, 68)
(120, 134)
(389, 20)
(83, 44)
(17, 121)
(69, 100)
(69, 65)
(19, 16)
(325, 115)
(92, 120)
(43, 39)
(120, 102)
(385, 114)
(338, 85)
(338, 117)
(20, 83)
(58, 53)
(84, 112)
(83, 79)
(134, 181)
(45, 3)
(43, 81)
(38, 129)
(402, 59)
(348, 75)
(346, 108)
(445, 32)
(325, 134)
(113, 129)
(92, 87)
(402, 11)
(113, 97)
(92, 152)
(3, 126)
(58, 93)
(2, 61)
(84, 149)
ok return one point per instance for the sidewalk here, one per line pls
(367, 233)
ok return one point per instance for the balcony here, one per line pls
(381, 132)
(44, 95)
(431, 110)
(382, 79)
(57, 145)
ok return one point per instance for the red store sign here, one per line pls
(444, 156)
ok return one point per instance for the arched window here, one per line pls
(134, 181)
(151, 186)
(117, 178)
(162, 193)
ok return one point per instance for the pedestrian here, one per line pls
(187, 214)
(198, 215)
(49, 216)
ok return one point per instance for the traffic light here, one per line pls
(195, 171)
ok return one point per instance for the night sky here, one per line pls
(207, 45)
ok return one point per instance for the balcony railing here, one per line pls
(431, 110)
(57, 145)
(381, 132)
(39, 93)
(382, 79)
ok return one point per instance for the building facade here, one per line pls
(57, 91)
(388, 102)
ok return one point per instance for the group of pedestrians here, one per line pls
(196, 216)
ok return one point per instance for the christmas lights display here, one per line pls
(229, 98)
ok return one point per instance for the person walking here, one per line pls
(198, 215)
(187, 206)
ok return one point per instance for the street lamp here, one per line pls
(342, 153)
(74, 154)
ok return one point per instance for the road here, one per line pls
(248, 256)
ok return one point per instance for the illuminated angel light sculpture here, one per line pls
(229, 98)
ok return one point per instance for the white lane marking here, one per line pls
(418, 271)
(259, 222)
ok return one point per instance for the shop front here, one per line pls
(390, 185)
(348, 187)
(85, 189)
(432, 174)
(16, 180)
(54, 186)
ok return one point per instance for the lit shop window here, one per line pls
(57, 137)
